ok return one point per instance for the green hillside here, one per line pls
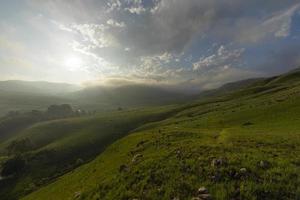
(25, 96)
(23, 102)
(37, 87)
(239, 145)
(137, 95)
(53, 148)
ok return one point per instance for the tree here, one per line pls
(63, 110)
(13, 166)
(19, 146)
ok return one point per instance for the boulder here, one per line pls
(205, 196)
(243, 171)
(202, 190)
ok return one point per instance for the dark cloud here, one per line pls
(153, 39)
(172, 25)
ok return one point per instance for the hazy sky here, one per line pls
(200, 43)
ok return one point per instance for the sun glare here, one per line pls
(73, 62)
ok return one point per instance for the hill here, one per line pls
(25, 95)
(243, 144)
(136, 95)
(37, 87)
(53, 148)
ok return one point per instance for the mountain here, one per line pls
(30, 95)
(230, 87)
(129, 95)
(26, 96)
(240, 145)
(37, 87)
(239, 141)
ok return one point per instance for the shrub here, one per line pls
(13, 166)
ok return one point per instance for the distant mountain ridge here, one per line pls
(129, 95)
(37, 87)
(26, 95)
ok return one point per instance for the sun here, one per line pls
(73, 62)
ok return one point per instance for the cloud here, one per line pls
(157, 40)
(222, 58)
(136, 7)
(94, 34)
(114, 23)
(278, 26)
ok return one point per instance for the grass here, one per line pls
(254, 132)
(57, 145)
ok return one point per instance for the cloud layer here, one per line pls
(203, 43)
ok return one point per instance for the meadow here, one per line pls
(241, 145)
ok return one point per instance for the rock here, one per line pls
(243, 170)
(202, 190)
(202, 194)
(77, 195)
(136, 157)
(264, 164)
(205, 196)
(218, 162)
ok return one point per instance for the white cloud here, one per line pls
(223, 57)
(278, 26)
(61, 26)
(113, 5)
(96, 34)
(114, 23)
(135, 6)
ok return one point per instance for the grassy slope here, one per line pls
(56, 145)
(12, 101)
(249, 126)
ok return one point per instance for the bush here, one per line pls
(13, 166)
(19, 146)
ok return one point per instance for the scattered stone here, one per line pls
(264, 164)
(202, 190)
(218, 162)
(202, 194)
(243, 170)
(205, 196)
(77, 195)
(243, 173)
(136, 157)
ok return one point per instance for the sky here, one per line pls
(189, 43)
